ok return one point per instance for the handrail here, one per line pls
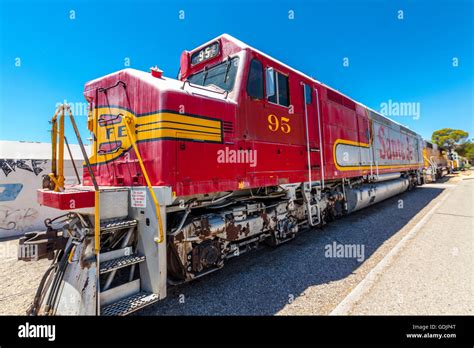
(57, 161)
(105, 89)
(57, 165)
(94, 182)
(321, 156)
(308, 154)
(72, 160)
(128, 121)
(433, 163)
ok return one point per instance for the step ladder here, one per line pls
(313, 220)
(120, 291)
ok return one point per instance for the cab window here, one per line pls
(255, 80)
(308, 94)
(282, 92)
(221, 75)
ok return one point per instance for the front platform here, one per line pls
(114, 201)
(74, 197)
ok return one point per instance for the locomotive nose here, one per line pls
(126, 108)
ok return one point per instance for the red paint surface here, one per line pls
(68, 200)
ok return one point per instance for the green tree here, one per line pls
(466, 150)
(449, 138)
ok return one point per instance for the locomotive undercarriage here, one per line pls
(206, 231)
(201, 240)
(203, 232)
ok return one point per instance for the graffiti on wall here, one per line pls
(16, 219)
(21, 213)
(9, 192)
(11, 165)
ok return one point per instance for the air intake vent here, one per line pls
(228, 127)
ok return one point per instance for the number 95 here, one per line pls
(283, 124)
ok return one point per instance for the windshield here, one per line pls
(221, 75)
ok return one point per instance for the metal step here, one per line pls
(124, 261)
(130, 304)
(117, 224)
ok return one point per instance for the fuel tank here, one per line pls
(366, 195)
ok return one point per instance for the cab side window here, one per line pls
(308, 94)
(255, 80)
(282, 95)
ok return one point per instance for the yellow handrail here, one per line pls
(97, 222)
(57, 165)
(94, 182)
(128, 121)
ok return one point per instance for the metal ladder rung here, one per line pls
(130, 304)
(120, 262)
(117, 224)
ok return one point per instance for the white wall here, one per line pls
(20, 178)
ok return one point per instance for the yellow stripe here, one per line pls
(178, 134)
(165, 124)
(364, 145)
(152, 127)
(350, 142)
(167, 116)
(385, 166)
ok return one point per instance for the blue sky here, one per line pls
(408, 60)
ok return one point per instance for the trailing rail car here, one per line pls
(455, 161)
(239, 150)
(435, 162)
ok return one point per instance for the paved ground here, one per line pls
(299, 279)
(434, 274)
(18, 279)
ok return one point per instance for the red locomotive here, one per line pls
(239, 150)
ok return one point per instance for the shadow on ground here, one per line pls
(259, 283)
